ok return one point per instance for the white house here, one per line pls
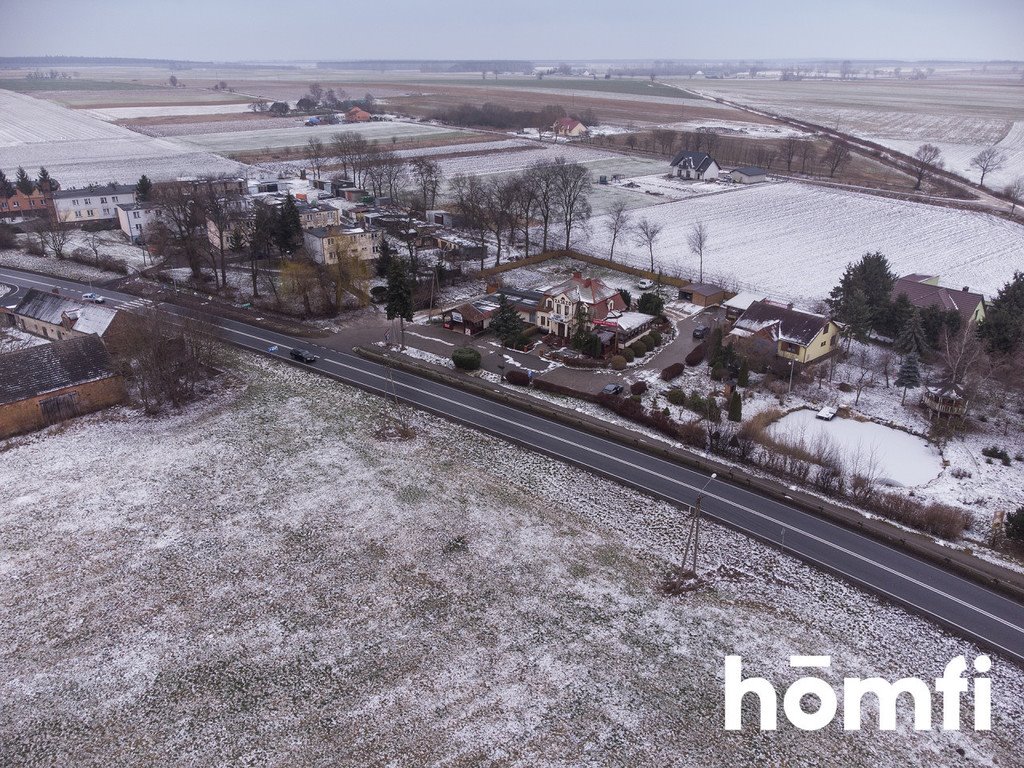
(748, 174)
(136, 218)
(326, 245)
(696, 165)
(92, 203)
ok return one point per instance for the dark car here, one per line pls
(304, 356)
(701, 332)
(612, 389)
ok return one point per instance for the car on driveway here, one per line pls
(304, 356)
(645, 284)
(94, 298)
(701, 332)
(612, 389)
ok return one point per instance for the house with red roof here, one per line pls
(567, 126)
(924, 291)
(357, 115)
(563, 302)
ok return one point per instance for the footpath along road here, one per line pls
(967, 607)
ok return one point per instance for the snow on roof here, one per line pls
(794, 326)
(630, 321)
(743, 300)
(750, 170)
(589, 290)
(48, 367)
(52, 309)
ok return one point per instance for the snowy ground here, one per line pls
(794, 240)
(325, 593)
(126, 113)
(79, 149)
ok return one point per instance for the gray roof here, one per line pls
(750, 170)
(106, 189)
(699, 161)
(50, 308)
(48, 367)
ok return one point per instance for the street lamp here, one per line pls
(790, 391)
(693, 537)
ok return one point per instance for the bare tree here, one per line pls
(526, 201)
(394, 173)
(647, 233)
(697, 239)
(806, 155)
(572, 191)
(500, 202)
(427, 175)
(1015, 192)
(618, 221)
(352, 150)
(790, 147)
(541, 175)
(836, 156)
(316, 91)
(665, 138)
(179, 215)
(316, 154)
(220, 208)
(989, 159)
(259, 106)
(926, 158)
(470, 195)
(55, 233)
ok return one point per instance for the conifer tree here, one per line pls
(399, 301)
(506, 324)
(736, 407)
(911, 338)
(909, 375)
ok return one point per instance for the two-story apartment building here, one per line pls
(92, 203)
(136, 218)
(327, 245)
(20, 205)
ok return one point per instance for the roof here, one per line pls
(699, 161)
(106, 189)
(567, 124)
(589, 290)
(742, 300)
(48, 367)
(923, 295)
(629, 321)
(703, 289)
(50, 308)
(783, 322)
(137, 206)
(750, 170)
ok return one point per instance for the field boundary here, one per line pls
(597, 261)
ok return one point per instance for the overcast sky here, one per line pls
(231, 30)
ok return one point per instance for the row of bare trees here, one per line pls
(548, 193)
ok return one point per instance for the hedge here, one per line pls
(466, 359)
(618, 363)
(560, 389)
(518, 377)
(627, 353)
(671, 371)
(696, 356)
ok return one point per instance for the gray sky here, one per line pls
(228, 30)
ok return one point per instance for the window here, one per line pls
(15, 205)
(138, 227)
(90, 212)
(74, 202)
(88, 201)
(78, 214)
(103, 199)
(113, 199)
(106, 211)
(135, 214)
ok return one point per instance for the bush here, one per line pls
(618, 363)
(995, 452)
(7, 238)
(639, 348)
(696, 356)
(517, 376)
(627, 353)
(844, 387)
(638, 387)
(653, 339)
(466, 359)
(560, 389)
(735, 407)
(718, 373)
(672, 371)
(939, 519)
(743, 378)
(676, 396)
(1015, 525)
(651, 304)
(34, 248)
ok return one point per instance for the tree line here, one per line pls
(491, 115)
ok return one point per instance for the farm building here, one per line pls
(796, 335)
(748, 174)
(695, 165)
(57, 317)
(357, 115)
(49, 383)
(567, 126)
(924, 291)
(704, 294)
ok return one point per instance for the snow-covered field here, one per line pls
(155, 110)
(794, 240)
(275, 585)
(79, 149)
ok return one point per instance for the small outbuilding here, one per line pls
(748, 174)
(704, 294)
(53, 382)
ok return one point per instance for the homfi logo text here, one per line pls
(912, 691)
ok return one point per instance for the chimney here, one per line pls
(967, 288)
(790, 305)
(492, 287)
(577, 275)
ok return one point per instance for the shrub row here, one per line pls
(517, 376)
(690, 434)
(672, 371)
(939, 519)
(560, 389)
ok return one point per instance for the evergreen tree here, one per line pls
(289, 226)
(873, 277)
(1015, 525)
(506, 324)
(384, 256)
(651, 304)
(6, 188)
(857, 314)
(909, 375)
(24, 183)
(626, 297)
(399, 302)
(45, 183)
(911, 338)
(743, 378)
(1003, 327)
(143, 188)
(899, 312)
(736, 407)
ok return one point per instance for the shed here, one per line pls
(748, 174)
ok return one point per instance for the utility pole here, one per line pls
(693, 535)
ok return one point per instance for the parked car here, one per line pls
(701, 332)
(304, 356)
(94, 298)
(645, 284)
(612, 389)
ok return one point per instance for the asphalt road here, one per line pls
(970, 609)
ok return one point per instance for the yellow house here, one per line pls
(796, 335)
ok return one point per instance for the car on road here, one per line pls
(701, 332)
(612, 389)
(645, 284)
(93, 297)
(304, 356)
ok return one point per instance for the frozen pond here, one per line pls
(867, 448)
